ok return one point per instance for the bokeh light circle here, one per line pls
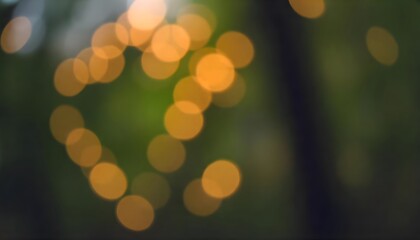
(221, 179)
(135, 213)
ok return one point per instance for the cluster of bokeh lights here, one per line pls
(213, 79)
(163, 46)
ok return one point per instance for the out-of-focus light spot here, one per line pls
(181, 125)
(308, 8)
(231, 96)
(16, 34)
(81, 71)
(155, 68)
(83, 147)
(189, 90)
(166, 154)
(201, 10)
(382, 45)
(63, 120)
(197, 201)
(237, 47)
(198, 29)
(146, 14)
(170, 43)
(85, 57)
(137, 37)
(106, 156)
(103, 70)
(215, 72)
(221, 179)
(153, 187)
(110, 40)
(108, 181)
(135, 213)
(97, 67)
(197, 56)
(65, 81)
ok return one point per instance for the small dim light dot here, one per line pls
(181, 125)
(135, 213)
(382, 45)
(237, 47)
(63, 120)
(308, 8)
(231, 96)
(109, 40)
(146, 14)
(152, 187)
(170, 43)
(221, 179)
(156, 68)
(166, 154)
(197, 27)
(16, 34)
(215, 72)
(65, 81)
(197, 202)
(83, 147)
(187, 90)
(108, 181)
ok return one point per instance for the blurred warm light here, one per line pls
(113, 71)
(109, 40)
(181, 125)
(65, 81)
(197, 201)
(308, 8)
(231, 96)
(197, 56)
(63, 120)
(166, 154)
(152, 187)
(215, 72)
(189, 90)
(16, 34)
(156, 68)
(81, 71)
(95, 69)
(200, 10)
(146, 14)
(382, 45)
(197, 27)
(237, 47)
(170, 43)
(221, 179)
(137, 37)
(135, 213)
(106, 156)
(83, 147)
(108, 180)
